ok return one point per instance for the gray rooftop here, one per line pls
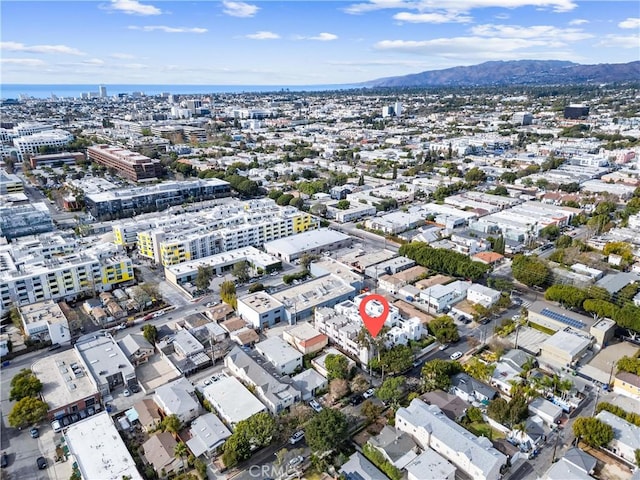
(309, 380)
(359, 468)
(580, 459)
(394, 443)
(623, 431)
(615, 282)
(177, 397)
(429, 465)
(469, 385)
(306, 241)
(277, 351)
(207, 433)
(103, 357)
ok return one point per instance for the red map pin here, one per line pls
(374, 324)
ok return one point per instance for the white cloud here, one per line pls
(321, 37)
(263, 35)
(458, 46)
(447, 17)
(29, 62)
(122, 56)
(540, 32)
(620, 41)
(133, 7)
(239, 9)
(165, 29)
(52, 49)
(630, 22)
(458, 6)
(578, 21)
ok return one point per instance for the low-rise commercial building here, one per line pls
(628, 384)
(261, 310)
(565, 347)
(131, 165)
(10, 183)
(312, 243)
(98, 450)
(66, 386)
(32, 144)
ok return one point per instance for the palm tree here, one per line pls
(180, 451)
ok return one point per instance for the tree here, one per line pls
(256, 287)
(284, 199)
(478, 369)
(337, 366)
(228, 293)
(171, 424)
(150, 333)
(391, 389)
(241, 271)
(498, 409)
(474, 414)
(236, 449)
(306, 259)
(530, 270)
(436, 374)
(258, 429)
(180, 450)
(319, 209)
(475, 175)
(592, 431)
(327, 431)
(26, 411)
(24, 384)
(444, 329)
(550, 232)
(343, 205)
(361, 180)
(397, 359)
(203, 277)
(370, 410)
(567, 295)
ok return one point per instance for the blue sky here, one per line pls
(299, 42)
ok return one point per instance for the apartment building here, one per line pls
(45, 321)
(431, 428)
(127, 202)
(439, 297)
(174, 239)
(21, 220)
(130, 165)
(485, 296)
(26, 279)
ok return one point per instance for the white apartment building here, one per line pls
(284, 358)
(485, 296)
(31, 144)
(46, 322)
(431, 428)
(440, 296)
(29, 278)
(173, 239)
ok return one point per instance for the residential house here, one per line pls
(628, 384)
(532, 436)
(430, 466)
(148, 414)
(284, 358)
(485, 296)
(309, 382)
(580, 459)
(626, 436)
(208, 434)
(136, 348)
(178, 398)
(471, 390)
(277, 394)
(359, 468)
(398, 448)
(159, 451)
(431, 428)
(453, 407)
(547, 411)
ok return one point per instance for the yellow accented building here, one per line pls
(627, 383)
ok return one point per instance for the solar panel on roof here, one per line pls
(563, 318)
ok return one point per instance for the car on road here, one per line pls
(134, 388)
(295, 461)
(296, 437)
(41, 462)
(126, 392)
(274, 274)
(455, 355)
(356, 400)
(443, 347)
(369, 393)
(209, 304)
(4, 460)
(34, 432)
(315, 405)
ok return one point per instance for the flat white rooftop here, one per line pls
(99, 451)
(232, 400)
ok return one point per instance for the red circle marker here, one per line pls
(374, 324)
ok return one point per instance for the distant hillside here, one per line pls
(517, 72)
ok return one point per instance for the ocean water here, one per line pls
(14, 90)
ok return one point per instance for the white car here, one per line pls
(369, 393)
(126, 392)
(296, 437)
(444, 346)
(295, 461)
(315, 405)
(455, 355)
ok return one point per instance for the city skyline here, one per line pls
(259, 43)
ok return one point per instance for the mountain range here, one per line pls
(516, 72)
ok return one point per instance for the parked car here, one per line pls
(41, 462)
(56, 426)
(295, 461)
(356, 400)
(369, 393)
(455, 355)
(126, 392)
(296, 437)
(444, 346)
(315, 405)
(4, 460)
(34, 432)
(134, 388)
